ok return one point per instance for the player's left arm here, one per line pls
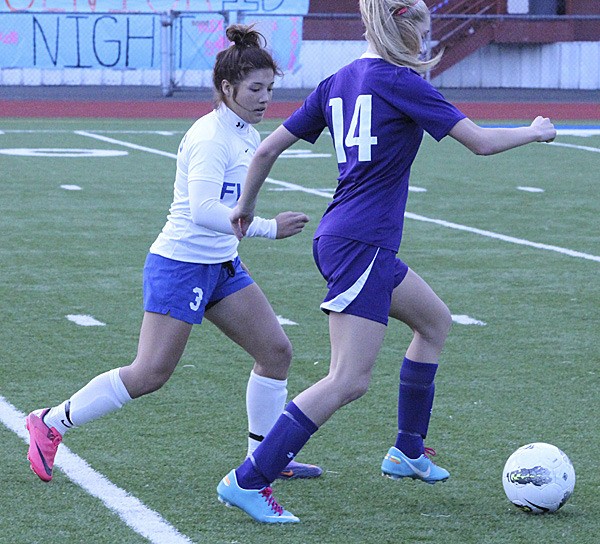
(206, 207)
(208, 211)
(267, 153)
(492, 140)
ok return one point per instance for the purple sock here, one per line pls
(287, 437)
(415, 401)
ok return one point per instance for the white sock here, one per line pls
(103, 395)
(265, 400)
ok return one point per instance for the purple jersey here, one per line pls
(376, 113)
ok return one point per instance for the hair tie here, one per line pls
(402, 11)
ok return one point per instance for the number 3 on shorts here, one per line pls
(196, 304)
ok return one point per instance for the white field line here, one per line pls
(126, 144)
(456, 226)
(85, 320)
(409, 215)
(131, 510)
(503, 237)
(573, 146)
(467, 320)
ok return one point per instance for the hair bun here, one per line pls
(244, 36)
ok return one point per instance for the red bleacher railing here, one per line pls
(470, 33)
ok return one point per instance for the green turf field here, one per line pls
(523, 265)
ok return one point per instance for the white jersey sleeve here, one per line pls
(207, 211)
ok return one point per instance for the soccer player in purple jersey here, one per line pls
(376, 109)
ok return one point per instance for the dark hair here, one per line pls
(246, 54)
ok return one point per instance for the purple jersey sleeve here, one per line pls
(308, 121)
(376, 113)
(425, 105)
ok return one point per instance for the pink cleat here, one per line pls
(43, 444)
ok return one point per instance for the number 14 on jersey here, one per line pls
(361, 123)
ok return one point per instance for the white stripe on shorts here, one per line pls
(343, 300)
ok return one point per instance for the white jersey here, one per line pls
(212, 162)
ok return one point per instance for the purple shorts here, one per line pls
(360, 277)
(185, 290)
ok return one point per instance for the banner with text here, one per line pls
(126, 34)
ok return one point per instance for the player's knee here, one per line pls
(147, 383)
(435, 330)
(274, 361)
(359, 390)
(156, 381)
(280, 352)
(354, 389)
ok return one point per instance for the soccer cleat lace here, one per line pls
(430, 452)
(259, 504)
(396, 465)
(43, 444)
(296, 470)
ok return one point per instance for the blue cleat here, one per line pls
(296, 471)
(396, 465)
(257, 503)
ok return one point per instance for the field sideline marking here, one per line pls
(131, 510)
(416, 217)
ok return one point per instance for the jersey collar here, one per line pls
(232, 120)
(370, 54)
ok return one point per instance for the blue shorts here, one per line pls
(360, 277)
(185, 290)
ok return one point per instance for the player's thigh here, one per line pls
(249, 320)
(355, 344)
(162, 341)
(415, 303)
(161, 344)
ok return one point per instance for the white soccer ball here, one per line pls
(538, 478)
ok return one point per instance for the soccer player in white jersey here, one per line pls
(376, 109)
(193, 269)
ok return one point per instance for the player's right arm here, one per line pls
(270, 148)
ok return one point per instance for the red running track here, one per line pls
(192, 110)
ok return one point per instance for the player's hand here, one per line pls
(546, 129)
(240, 219)
(290, 223)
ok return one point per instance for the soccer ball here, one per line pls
(538, 478)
